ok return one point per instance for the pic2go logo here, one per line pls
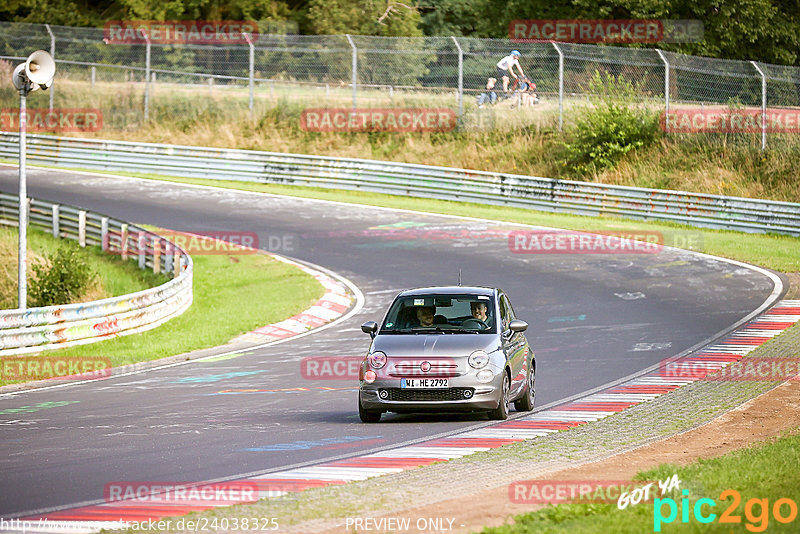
(758, 521)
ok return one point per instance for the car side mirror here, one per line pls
(517, 325)
(370, 327)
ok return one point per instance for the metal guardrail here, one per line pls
(52, 327)
(564, 196)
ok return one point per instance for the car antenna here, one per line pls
(459, 277)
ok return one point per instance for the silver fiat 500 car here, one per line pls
(446, 349)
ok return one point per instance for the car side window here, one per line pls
(511, 314)
(504, 313)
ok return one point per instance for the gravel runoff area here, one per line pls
(416, 490)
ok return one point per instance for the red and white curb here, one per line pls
(333, 304)
(731, 348)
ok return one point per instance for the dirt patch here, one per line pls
(794, 286)
(766, 416)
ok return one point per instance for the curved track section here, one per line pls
(594, 319)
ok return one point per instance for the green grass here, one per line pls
(781, 253)
(499, 139)
(233, 294)
(117, 277)
(767, 471)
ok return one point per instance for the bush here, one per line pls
(605, 133)
(62, 279)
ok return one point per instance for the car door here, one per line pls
(514, 344)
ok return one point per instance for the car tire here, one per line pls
(368, 416)
(525, 403)
(501, 412)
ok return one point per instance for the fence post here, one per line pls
(52, 53)
(252, 66)
(156, 255)
(123, 241)
(104, 239)
(94, 74)
(169, 256)
(354, 68)
(141, 243)
(56, 220)
(666, 88)
(560, 86)
(460, 77)
(763, 106)
(147, 77)
(82, 228)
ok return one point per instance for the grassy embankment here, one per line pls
(763, 473)
(524, 141)
(223, 305)
(115, 277)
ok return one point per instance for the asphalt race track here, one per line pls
(594, 319)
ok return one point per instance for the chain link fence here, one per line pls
(145, 80)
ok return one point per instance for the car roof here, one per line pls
(449, 290)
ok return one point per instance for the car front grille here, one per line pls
(422, 395)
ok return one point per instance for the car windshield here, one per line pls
(445, 314)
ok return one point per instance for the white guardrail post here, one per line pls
(565, 196)
(52, 327)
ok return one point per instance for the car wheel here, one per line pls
(368, 416)
(525, 403)
(501, 412)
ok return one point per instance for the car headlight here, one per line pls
(478, 359)
(377, 360)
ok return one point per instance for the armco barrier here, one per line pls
(583, 198)
(52, 327)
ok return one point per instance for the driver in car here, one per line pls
(479, 310)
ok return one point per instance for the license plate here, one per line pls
(424, 383)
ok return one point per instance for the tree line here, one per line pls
(762, 30)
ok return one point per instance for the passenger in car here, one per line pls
(425, 315)
(479, 310)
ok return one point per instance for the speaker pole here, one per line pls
(36, 73)
(22, 281)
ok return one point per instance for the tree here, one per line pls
(389, 18)
(451, 17)
(60, 12)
